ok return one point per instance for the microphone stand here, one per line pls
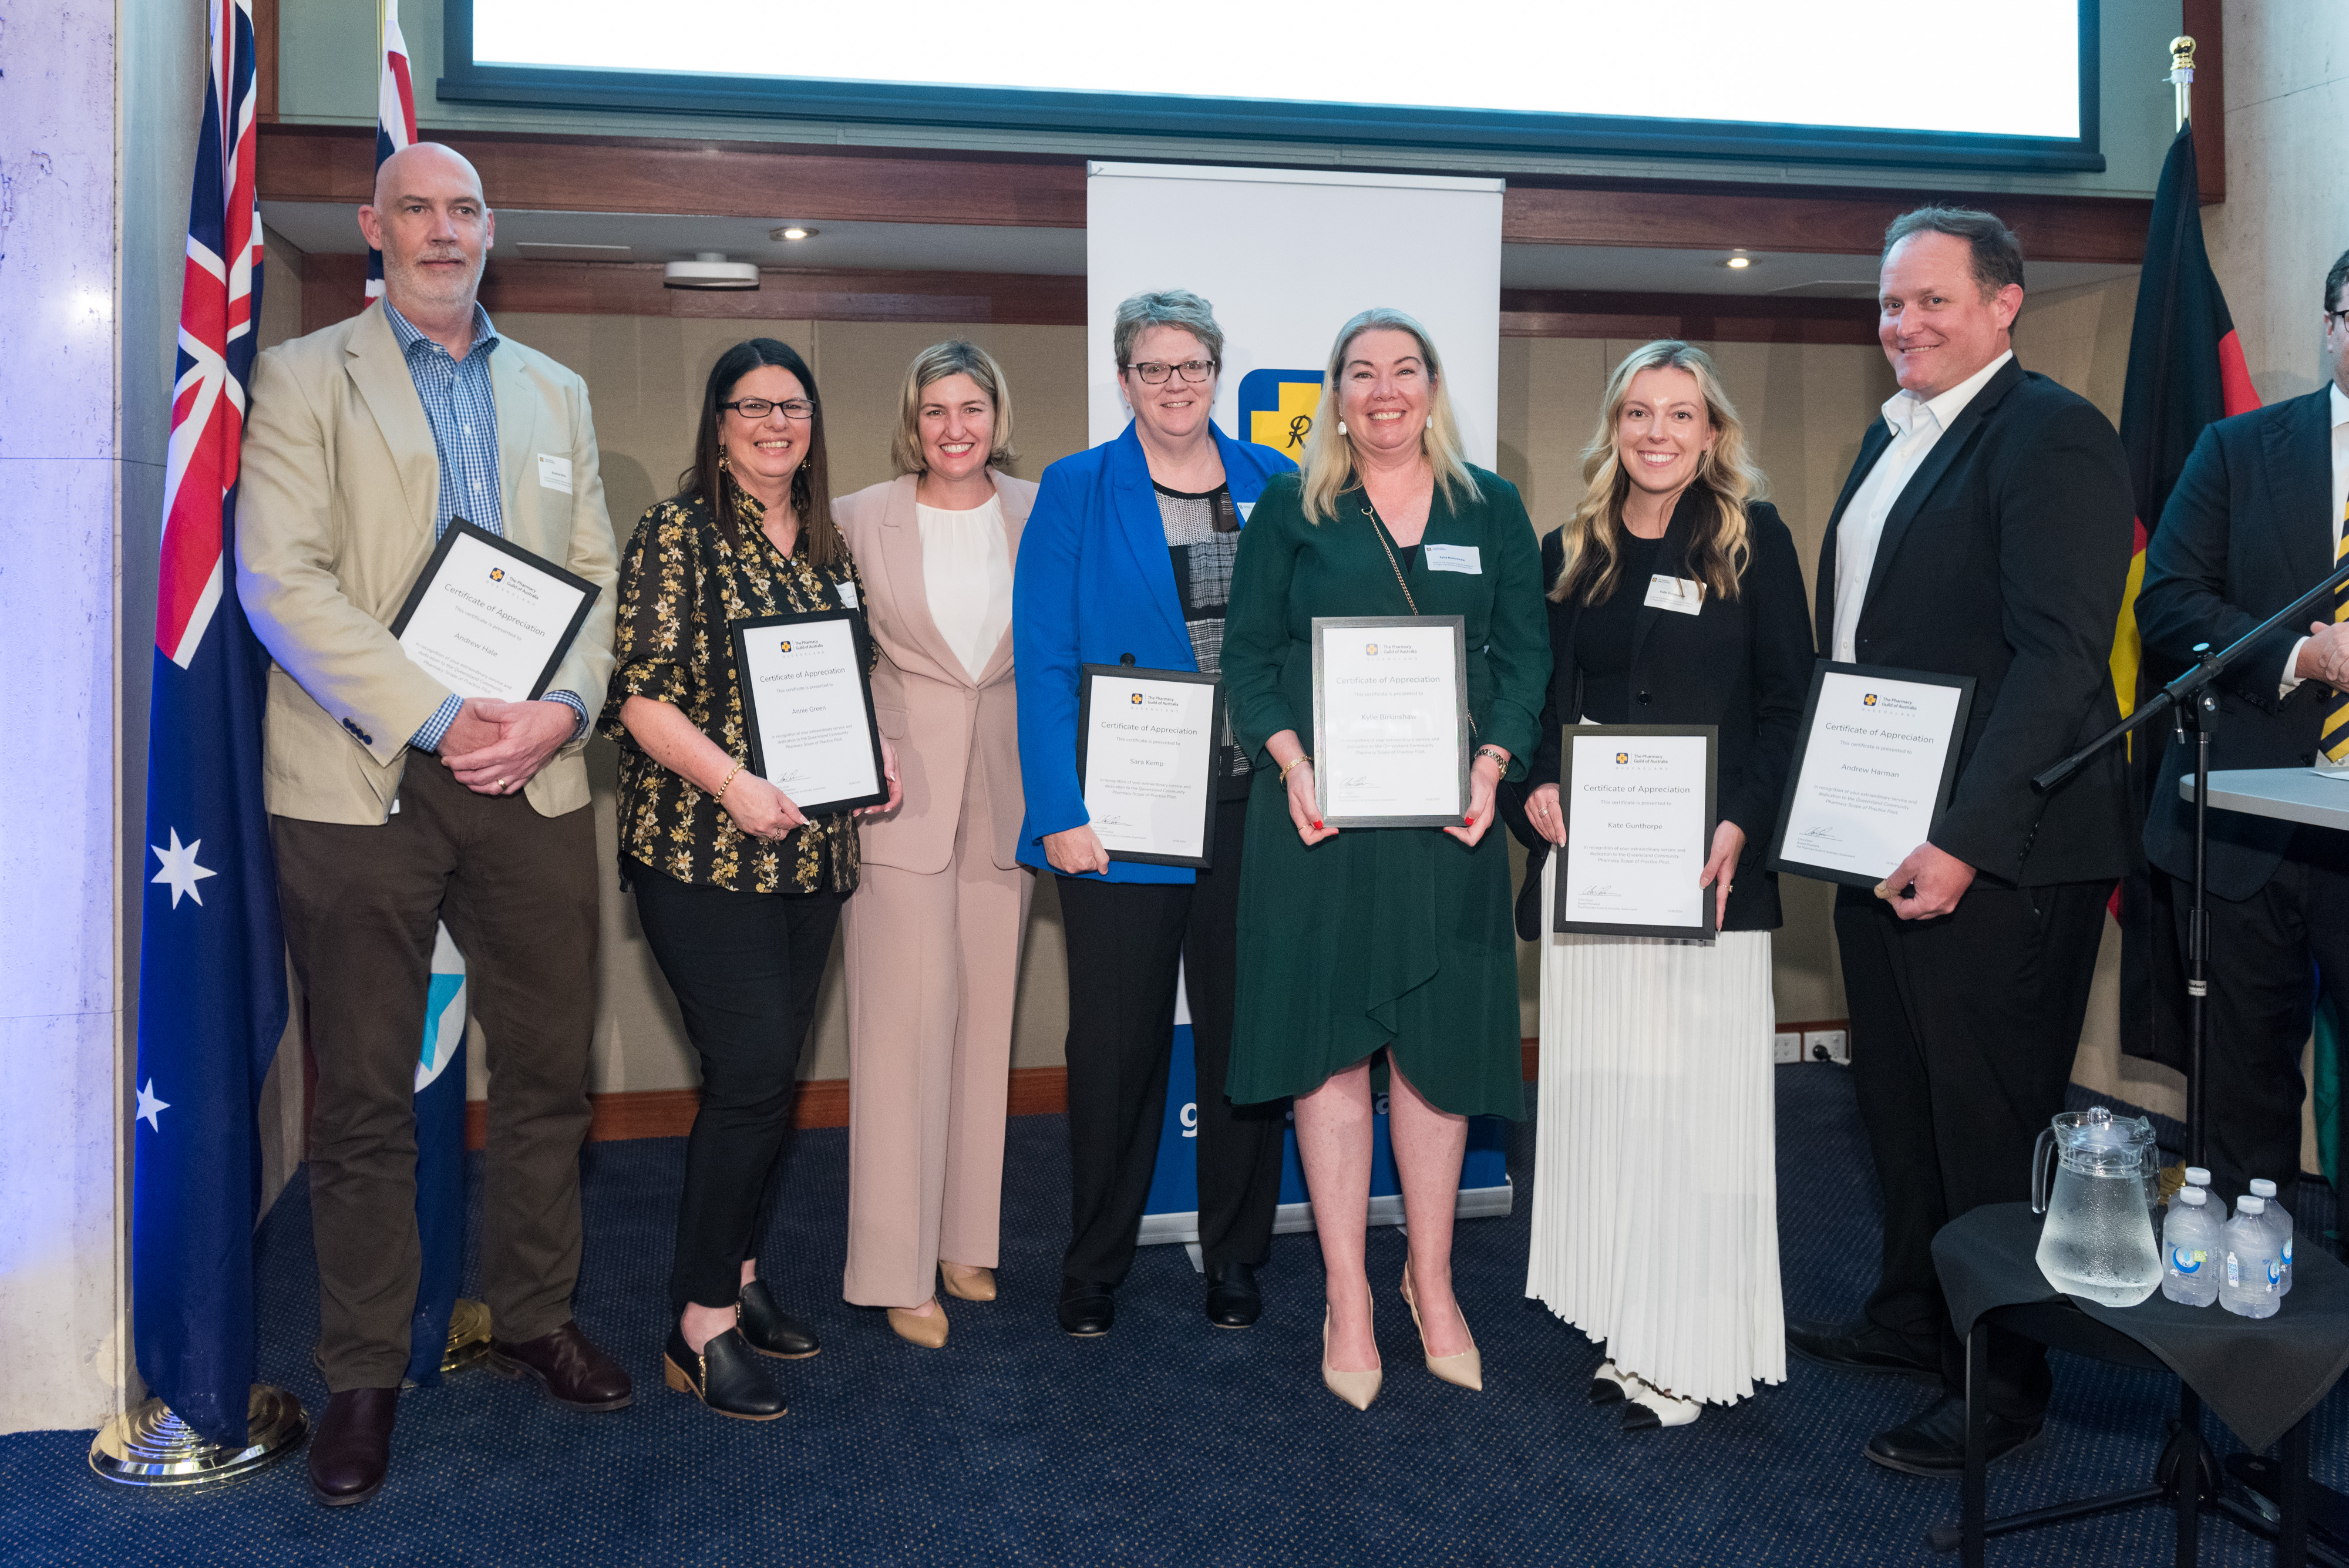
(2197, 709)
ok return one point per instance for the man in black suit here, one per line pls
(1985, 531)
(2254, 523)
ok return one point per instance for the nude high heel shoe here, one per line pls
(927, 1330)
(1356, 1388)
(1468, 1367)
(968, 1283)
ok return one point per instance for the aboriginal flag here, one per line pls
(2185, 370)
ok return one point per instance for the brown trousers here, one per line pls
(518, 893)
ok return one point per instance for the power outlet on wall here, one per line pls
(1827, 1046)
(1788, 1046)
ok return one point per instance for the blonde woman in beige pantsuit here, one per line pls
(934, 931)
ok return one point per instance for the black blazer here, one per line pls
(1743, 665)
(2004, 559)
(2248, 530)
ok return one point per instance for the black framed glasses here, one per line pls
(756, 409)
(1155, 371)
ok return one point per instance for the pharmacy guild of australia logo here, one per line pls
(497, 574)
(1136, 698)
(1369, 648)
(1622, 756)
(1868, 701)
(784, 646)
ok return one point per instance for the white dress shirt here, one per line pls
(2340, 502)
(967, 573)
(1917, 424)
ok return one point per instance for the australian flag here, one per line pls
(211, 963)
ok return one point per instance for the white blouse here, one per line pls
(967, 572)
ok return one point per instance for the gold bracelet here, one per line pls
(1297, 761)
(721, 796)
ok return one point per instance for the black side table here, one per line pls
(2261, 1376)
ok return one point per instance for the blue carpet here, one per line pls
(1167, 1441)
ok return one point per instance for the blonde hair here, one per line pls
(955, 356)
(1329, 456)
(1718, 549)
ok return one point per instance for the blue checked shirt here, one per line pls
(463, 412)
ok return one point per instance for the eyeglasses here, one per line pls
(756, 409)
(1155, 372)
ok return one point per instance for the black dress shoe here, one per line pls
(722, 1377)
(768, 1329)
(1934, 1444)
(1086, 1309)
(1232, 1299)
(1857, 1347)
(351, 1451)
(571, 1367)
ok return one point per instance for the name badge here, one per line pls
(1684, 595)
(1453, 559)
(847, 592)
(554, 472)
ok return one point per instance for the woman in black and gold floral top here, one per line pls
(737, 890)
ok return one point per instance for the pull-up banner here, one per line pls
(1285, 258)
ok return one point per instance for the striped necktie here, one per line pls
(2335, 740)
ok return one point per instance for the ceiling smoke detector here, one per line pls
(709, 269)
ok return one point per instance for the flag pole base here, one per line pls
(150, 1446)
(468, 1336)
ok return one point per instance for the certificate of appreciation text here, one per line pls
(1390, 721)
(809, 709)
(1873, 764)
(488, 618)
(1638, 805)
(1147, 761)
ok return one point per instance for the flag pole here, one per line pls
(2181, 76)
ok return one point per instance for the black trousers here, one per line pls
(1963, 1030)
(1124, 942)
(745, 968)
(2258, 1013)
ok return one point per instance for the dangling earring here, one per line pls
(723, 466)
(1431, 421)
(1342, 427)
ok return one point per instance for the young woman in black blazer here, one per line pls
(1675, 598)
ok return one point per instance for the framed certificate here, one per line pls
(1147, 761)
(488, 618)
(1639, 804)
(1391, 720)
(1874, 764)
(809, 708)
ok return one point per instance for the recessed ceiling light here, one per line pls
(1738, 262)
(792, 232)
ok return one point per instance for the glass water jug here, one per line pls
(2098, 1241)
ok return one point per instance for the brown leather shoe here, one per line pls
(568, 1366)
(351, 1451)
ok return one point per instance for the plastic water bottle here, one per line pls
(2189, 1250)
(2196, 1175)
(2253, 1263)
(2281, 1223)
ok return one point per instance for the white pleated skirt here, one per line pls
(1655, 1222)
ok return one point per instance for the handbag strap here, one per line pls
(1380, 528)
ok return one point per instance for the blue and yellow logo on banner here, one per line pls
(1277, 408)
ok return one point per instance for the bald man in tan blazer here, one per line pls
(934, 929)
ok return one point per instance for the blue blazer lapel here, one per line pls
(1134, 504)
(2299, 450)
(1937, 462)
(1872, 447)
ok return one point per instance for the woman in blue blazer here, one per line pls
(1127, 559)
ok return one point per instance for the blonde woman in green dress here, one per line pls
(1388, 940)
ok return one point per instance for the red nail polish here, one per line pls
(1469, 821)
(1317, 826)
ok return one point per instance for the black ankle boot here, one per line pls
(768, 1329)
(723, 1377)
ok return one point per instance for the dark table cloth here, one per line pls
(2261, 1376)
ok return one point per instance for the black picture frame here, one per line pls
(1705, 930)
(1086, 675)
(459, 528)
(1964, 685)
(1323, 625)
(854, 620)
